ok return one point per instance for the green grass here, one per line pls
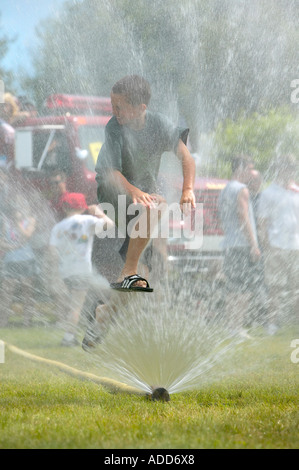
(255, 406)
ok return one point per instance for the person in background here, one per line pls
(241, 249)
(25, 105)
(12, 113)
(260, 300)
(278, 215)
(58, 191)
(70, 267)
(18, 262)
(58, 194)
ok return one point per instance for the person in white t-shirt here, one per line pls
(70, 243)
(278, 214)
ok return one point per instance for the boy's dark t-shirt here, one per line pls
(136, 154)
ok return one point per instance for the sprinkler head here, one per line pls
(160, 394)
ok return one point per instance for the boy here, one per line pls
(70, 247)
(128, 165)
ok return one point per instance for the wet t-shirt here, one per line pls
(234, 235)
(73, 238)
(136, 153)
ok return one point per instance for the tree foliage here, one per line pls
(5, 74)
(261, 136)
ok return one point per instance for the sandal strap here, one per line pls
(129, 280)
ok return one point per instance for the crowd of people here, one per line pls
(261, 243)
(49, 240)
(260, 222)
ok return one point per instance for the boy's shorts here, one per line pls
(242, 274)
(122, 222)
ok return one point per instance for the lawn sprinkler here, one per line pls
(160, 394)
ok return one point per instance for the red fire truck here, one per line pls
(68, 136)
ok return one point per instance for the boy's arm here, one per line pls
(96, 211)
(188, 166)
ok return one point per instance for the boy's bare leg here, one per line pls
(76, 300)
(104, 314)
(135, 249)
(138, 245)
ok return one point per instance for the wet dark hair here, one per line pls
(240, 161)
(136, 89)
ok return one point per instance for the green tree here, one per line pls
(5, 75)
(261, 136)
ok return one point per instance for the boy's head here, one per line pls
(74, 203)
(129, 98)
(242, 168)
(134, 88)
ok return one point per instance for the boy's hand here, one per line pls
(139, 197)
(255, 253)
(187, 201)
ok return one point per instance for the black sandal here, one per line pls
(126, 284)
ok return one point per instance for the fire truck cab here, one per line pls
(203, 252)
(68, 136)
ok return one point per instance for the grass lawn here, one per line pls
(255, 406)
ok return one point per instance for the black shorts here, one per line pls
(121, 223)
(242, 274)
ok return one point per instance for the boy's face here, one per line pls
(127, 114)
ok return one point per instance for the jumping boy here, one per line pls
(128, 165)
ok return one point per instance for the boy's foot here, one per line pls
(93, 336)
(69, 340)
(129, 283)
